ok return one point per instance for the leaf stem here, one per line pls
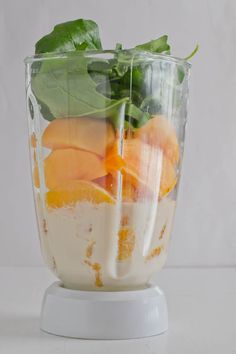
(193, 53)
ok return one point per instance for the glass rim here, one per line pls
(88, 53)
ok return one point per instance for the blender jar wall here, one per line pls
(106, 136)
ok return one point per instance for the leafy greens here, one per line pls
(81, 85)
(70, 36)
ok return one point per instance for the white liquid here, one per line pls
(81, 244)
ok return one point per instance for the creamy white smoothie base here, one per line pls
(104, 246)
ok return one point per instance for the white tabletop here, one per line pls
(202, 315)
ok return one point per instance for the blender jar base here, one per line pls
(104, 315)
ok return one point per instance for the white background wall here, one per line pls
(205, 225)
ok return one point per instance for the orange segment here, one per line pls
(75, 191)
(95, 135)
(68, 164)
(158, 132)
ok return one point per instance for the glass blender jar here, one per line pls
(105, 167)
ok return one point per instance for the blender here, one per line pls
(105, 177)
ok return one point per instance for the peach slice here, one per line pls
(168, 178)
(146, 164)
(130, 192)
(108, 182)
(71, 192)
(68, 164)
(135, 188)
(159, 132)
(143, 165)
(94, 135)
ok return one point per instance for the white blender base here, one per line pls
(104, 315)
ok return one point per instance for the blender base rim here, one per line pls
(104, 315)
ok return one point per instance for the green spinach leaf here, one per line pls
(159, 45)
(45, 111)
(67, 89)
(71, 36)
(103, 88)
